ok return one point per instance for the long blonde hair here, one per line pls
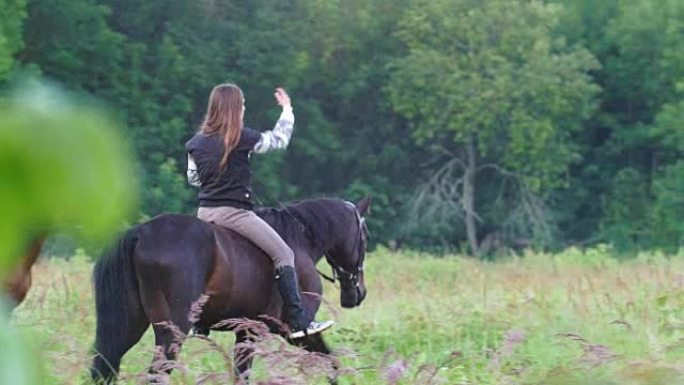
(224, 117)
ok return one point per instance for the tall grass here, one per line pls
(579, 317)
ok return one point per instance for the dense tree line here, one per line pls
(474, 124)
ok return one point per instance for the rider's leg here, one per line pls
(286, 279)
(250, 226)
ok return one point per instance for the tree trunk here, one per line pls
(469, 196)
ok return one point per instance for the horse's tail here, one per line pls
(118, 306)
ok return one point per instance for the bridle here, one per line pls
(339, 274)
(349, 278)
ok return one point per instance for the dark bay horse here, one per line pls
(17, 283)
(159, 268)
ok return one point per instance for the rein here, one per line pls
(327, 277)
(280, 204)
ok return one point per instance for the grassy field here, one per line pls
(566, 319)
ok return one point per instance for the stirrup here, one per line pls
(314, 328)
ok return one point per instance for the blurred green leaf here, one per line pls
(63, 167)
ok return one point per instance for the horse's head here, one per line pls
(348, 256)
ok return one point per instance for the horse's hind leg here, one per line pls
(170, 329)
(167, 309)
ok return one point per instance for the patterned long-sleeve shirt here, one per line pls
(275, 139)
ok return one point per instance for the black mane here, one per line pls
(310, 220)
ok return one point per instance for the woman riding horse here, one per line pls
(159, 269)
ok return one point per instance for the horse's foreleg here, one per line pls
(311, 287)
(315, 344)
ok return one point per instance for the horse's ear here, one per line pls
(363, 205)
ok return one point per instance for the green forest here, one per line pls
(476, 126)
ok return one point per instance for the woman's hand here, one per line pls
(282, 97)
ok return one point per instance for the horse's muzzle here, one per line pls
(352, 297)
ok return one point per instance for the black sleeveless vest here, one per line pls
(233, 186)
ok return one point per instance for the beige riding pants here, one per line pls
(250, 226)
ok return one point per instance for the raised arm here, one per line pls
(279, 136)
